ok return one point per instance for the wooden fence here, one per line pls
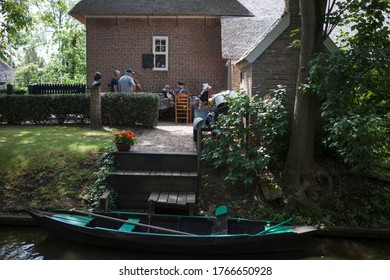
(56, 88)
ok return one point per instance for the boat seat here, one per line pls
(129, 227)
(221, 221)
(73, 219)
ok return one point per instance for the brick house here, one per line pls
(271, 60)
(168, 41)
(237, 44)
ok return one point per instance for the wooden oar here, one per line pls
(273, 227)
(131, 223)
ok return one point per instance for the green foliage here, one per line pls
(26, 75)
(14, 17)
(106, 165)
(40, 109)
(361, 141)
(248, 137)
(128, 109)
(354, 84)
(124, 109)
(60, 57)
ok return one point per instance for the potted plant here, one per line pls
(124, 140)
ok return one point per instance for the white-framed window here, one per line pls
(160, 52)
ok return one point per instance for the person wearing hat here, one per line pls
(114, 86)
(180, 88)
(167, 91)
(126, 82)
(135, 76)
(204, 95)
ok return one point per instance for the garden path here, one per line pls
(166, 137)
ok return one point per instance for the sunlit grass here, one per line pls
(48, 166)
(31, 147)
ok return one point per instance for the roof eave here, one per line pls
(269, 37)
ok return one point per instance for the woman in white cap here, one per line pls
(204, 95)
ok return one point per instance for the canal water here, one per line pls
(33, 243)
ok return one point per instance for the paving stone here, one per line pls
(166, 137)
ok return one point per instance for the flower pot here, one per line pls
(123, 147)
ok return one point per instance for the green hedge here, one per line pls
(16, 91)
(39, 109)
(117, 109)
(128, 109)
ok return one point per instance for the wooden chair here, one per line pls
(182, 108)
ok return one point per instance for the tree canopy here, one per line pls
(53, 49)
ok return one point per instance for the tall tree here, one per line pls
(302, 170)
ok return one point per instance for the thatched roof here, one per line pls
(239, 34)
(158, 7)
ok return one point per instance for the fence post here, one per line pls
(10, 89)
(96, 102)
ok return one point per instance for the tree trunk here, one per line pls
(301, 170)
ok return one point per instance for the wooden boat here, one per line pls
(172, 233)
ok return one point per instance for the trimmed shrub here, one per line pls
(124, 109)
(39, 109)
(16, 91)
(128, 109)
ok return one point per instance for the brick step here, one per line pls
(135, 160)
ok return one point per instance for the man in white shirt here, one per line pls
(126, 82)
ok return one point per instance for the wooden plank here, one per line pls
(160, 173)
(193, 174)
(128, 172)
(172, 198)
(152, 173)
(182, 198)
(118, 172)
(154, 196)
(144, 173)
(185, 173)
(163, 198)
(168, 173)
(176, 173)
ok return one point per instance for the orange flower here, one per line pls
(125, 137)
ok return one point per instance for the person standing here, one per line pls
(135, 76)
(114, 85)
(126, 82)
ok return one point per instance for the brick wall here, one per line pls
(278, 65)
(194, 50)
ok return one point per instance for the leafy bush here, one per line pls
(354, 85)
(359, 140)
(106, 165)
(248, 137)
(128, 109)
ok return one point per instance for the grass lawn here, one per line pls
(48, 166)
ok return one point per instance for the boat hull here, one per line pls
(177, 243)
